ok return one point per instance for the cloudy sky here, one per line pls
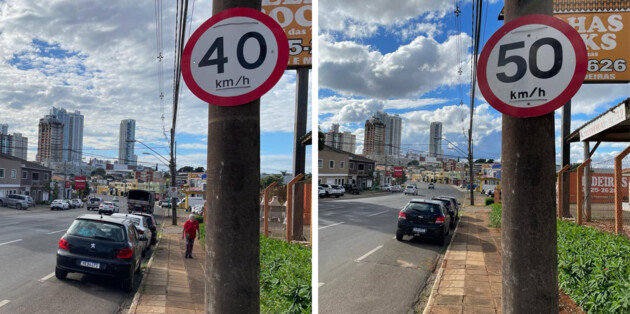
(100, 57)
(403, 57)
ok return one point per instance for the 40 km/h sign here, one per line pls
(235, 57)
(532, 66)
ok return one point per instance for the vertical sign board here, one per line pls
(296, 18)
(605, 28)
(79, 183)
(398, 172)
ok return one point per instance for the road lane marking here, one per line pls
(47, 277)
(56, 231)
(320, 284)
(4, 302)
(11, 241)
(369, 253)
(370, 215)
(324, 227)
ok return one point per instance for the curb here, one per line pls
(438, 277)
(136, 297)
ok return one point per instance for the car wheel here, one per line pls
(337, 196)
(399, 236)
(144, 252)
(60, 274)
(18, 206)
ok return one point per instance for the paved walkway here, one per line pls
(172, 284)
(469, 280)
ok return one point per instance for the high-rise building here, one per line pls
(50, 140)
(126, 142)
(6, 144)
(435, 140)
(345, 141)
(374, 142)
(393, 130)
(4, 128)
(20, 146)
(72, 133)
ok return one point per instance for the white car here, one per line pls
(321, 192)
(396, 188)
(386, 187)
(142, 225)
(108, 208)
(339, 190)
(77, 203)
(411, 190)
(59, 205)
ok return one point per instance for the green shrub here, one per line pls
(199, 219)
(495, 215)
(489, 201)
(594, 268)
(285, 277)
(202, 234)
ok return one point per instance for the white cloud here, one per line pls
(413, 69)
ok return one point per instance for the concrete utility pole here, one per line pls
(233, 227)
(528, 226)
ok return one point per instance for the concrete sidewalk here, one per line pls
(172, 283)
(469, 280)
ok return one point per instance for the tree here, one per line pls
(199, 169)
(321, 138)
(186, 169)
(480, 161)
(413, 163)
(266, 181)
(98, 172)
(490, 161)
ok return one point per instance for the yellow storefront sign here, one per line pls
(296, 18)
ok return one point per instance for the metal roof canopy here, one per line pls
(619, 132)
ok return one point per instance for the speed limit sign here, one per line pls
(532, 66)
(235, 57)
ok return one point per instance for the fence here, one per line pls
(287, 209)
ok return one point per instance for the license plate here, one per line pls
(419, 230)
(90, 264)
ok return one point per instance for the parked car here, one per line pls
(94, 202)
(431, 186)
(450, 207)
(457, 204)
(59, 205)
(141, 226)
(140, 201)
(102, 246)
(31, 201)
(77, 203)
(165, 202)
(352, 189)
(490, 193)
(386, 187)
(411, 190)
(108, 208)
(425, 219)
(340, 190)
(15, 200)
(396, 188)
(321, 192)
(115, 199)
(152, 225)
(330, 191)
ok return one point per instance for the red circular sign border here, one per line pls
(574, 85)
(274, 77)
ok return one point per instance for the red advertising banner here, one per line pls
(398, 172)
(79, 183)
(68, 185)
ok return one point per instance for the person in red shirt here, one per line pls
(191, 228)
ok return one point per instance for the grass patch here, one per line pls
(285, 277)
(202, 233)
(495, 216)
(594, 268)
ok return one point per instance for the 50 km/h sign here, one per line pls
(235, 57)
(532, 66)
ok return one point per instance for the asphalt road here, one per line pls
(362, 268)
(28, 246)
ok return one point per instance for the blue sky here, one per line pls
(101, 58)
(401, 57)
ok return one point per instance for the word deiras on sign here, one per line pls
(235, 57)
(532, 66)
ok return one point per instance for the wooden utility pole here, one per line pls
(233, 227)
(528, 227)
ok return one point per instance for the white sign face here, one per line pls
(172, 192)
(532, 66)
(235, 57)
(604, 122)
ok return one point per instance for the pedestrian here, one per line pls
(191, 228)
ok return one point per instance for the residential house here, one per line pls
(18, 176)
(10, 168)
(340, 167)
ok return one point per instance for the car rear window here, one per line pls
(97, 229)
(424, 208)
(95, 200)
(410, 186)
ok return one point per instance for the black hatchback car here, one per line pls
(103, 246)
(425, 219)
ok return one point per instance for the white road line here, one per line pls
(4, 302)
(324, 227)
(11, 241)
(369, 253)
(370, 215)
(47, 277)
(57, 231)
(320, 284)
